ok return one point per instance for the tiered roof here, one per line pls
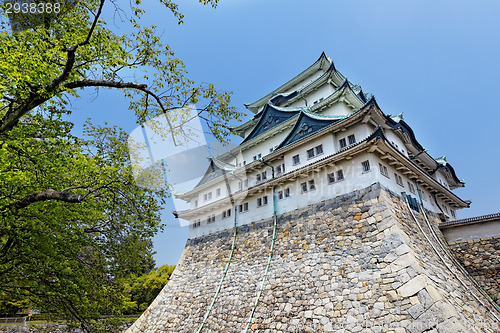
(274, 115)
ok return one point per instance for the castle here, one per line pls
(324, 218)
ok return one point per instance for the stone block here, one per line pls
(413, 286)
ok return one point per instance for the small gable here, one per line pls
(307, 124)
(272, 116)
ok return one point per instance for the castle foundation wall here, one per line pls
(355, 263)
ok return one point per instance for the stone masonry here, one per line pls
(481, 258)
(355, 263)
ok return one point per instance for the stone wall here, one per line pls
(481, 258)
(355, 263)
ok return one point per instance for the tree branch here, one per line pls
(46, 195)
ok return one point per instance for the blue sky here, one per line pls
(435, 61)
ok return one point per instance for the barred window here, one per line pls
(366, 166)
(331, 178)
(342, 143)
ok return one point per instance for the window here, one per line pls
(271, 149)
(287, 192)
(280, 195)
(340, 175)
(310, 153)
(280, 169)
(258, 178)
(217, 192)
(383, 170)
(319, 150)
(411, 187)
(243, 207)
(262, 201)
(196, 203)
(453, 213)
(352, 139)
(259, 156)
(342, 142)
(196, 224)
(264, 175)
(312, 186)
(331, 178)
(226, 213)
(296, 159)
(304, 187)
(246, 183)
(399, 180)
(209, 195)
(240, 186)
(205, 197)
(255, 157)
(211, 219)
(244, 162)
(366, 166)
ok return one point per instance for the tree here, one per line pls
(67, 250)
(51, 62)
(140, 291)
(73, 222)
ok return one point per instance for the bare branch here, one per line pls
(46, 195)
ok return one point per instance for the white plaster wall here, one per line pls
(396, 141)
(337, 109)
(324, 91)
(354, 179)
(263, 147)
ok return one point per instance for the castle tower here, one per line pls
(325, 218)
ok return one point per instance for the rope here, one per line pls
(454, 260)
(223, 275)
(439, 254)
(275, 223)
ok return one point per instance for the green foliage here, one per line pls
(66, 254)
(142, 290)
(73, 224)
(51, 62)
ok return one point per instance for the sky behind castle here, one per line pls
(435, 61)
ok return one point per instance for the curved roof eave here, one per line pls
(443, 164)
(317, 64)
(269, 106)
(328, 120)
(345, 87)
(401, 124)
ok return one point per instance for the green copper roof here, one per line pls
(271, 117)
(308, 123)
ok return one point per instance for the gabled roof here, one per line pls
(321, 63)
(308, 123)
(214, 170)
(343, 90)
(279, 98)
(443, 164)
(397, 122)
(270, 117)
